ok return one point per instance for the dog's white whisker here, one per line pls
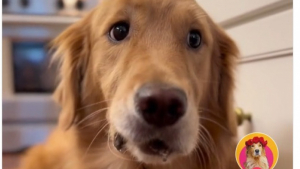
(205, 110)
(197, 151)
(201, 157)
(218, 124)
(90, 124)
(91, 115)
(211, 141)
(205, 144)
(94, 140)
(93, 104)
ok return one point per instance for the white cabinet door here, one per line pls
(265, 35)
(222, 10)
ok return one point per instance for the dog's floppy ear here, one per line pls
(225, 59)
(71, 52)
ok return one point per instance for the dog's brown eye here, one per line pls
(119, 31)
(194, 39)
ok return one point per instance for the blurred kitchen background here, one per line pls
(263, 29)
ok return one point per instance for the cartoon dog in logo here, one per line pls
(256, 154)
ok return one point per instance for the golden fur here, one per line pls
(99, 77)
(256, 161)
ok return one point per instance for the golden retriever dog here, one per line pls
(256, 154)
(144, 84)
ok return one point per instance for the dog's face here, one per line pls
(156, 63)
(256, 150)
(160, 71)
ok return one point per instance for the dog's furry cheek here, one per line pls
(111, 132)
(113, 114)
(189, 136)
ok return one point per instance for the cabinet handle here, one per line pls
(242, 116)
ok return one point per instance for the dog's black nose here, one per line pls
(257, 151)
(160, 105)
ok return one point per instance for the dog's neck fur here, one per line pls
(261, 162)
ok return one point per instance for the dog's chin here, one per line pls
(154, 151)
(256, 155)
(151, 158)
(156, 146)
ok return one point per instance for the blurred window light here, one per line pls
(32, 73)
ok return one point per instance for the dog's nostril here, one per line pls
(176, 107)
(148, 105)
(257, 151)
(160, 105)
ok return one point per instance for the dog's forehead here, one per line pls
(165, 4)
(151, 8)
(157, 22)
(256, 144)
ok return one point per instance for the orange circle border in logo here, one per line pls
(271, 144)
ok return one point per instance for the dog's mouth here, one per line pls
(154, 147)
(119, 142)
